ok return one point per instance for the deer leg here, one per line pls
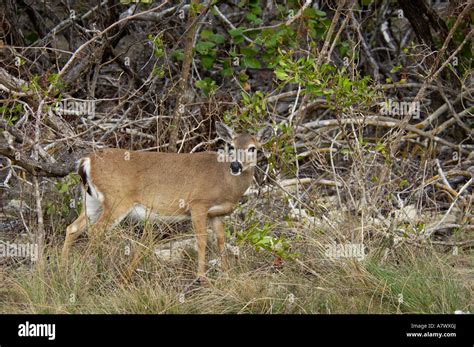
(218, 227)
(199, 219)
(73, 231)
(108, 218)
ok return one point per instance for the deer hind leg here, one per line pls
(91, 210)
(73, 231)
(110, 216)
(199, 219)
(218, 227)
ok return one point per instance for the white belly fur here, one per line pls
(142, 213)
(218, 209)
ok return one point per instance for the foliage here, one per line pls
(68, 201)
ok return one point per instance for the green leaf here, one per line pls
(320, 13)
(243, 77)
(207, 61)
(206, 34)
(310, 12)
(255, 6)
(177, 55)
(226, 72)
(207, 85)
(281, 74)
(395, 69)
(236, 32)
(217, 38)
(238, 40)
(201, 84)
(50, 209)
(343, 48)
(252, 17)
(204, 47)
(247, 51)
(251, 63)
(63, 188)
(403, 184)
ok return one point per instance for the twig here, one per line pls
(299, 13)
(99, 35)
(453, 111)
(154, 17)
(367, 50)
(228, 22)
(381, 121)
(463, 188)
(441, 173)
(185, 94)
(335, 19)
(334, 169)
(65, 24)
(440, 110)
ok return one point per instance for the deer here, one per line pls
(202, 186)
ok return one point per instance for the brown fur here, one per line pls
(167, 184)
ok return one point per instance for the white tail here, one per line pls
(201, 186)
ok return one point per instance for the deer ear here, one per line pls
(264, 135)
(224, 132)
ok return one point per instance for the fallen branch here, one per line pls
(381, 121)
(34, 167)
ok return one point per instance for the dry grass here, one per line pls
(104, 279)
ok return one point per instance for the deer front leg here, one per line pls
(218, 227)
(199, 219)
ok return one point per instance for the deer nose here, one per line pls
(235, 168)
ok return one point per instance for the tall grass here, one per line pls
(104, 279)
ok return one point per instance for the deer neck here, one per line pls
(240, 183)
